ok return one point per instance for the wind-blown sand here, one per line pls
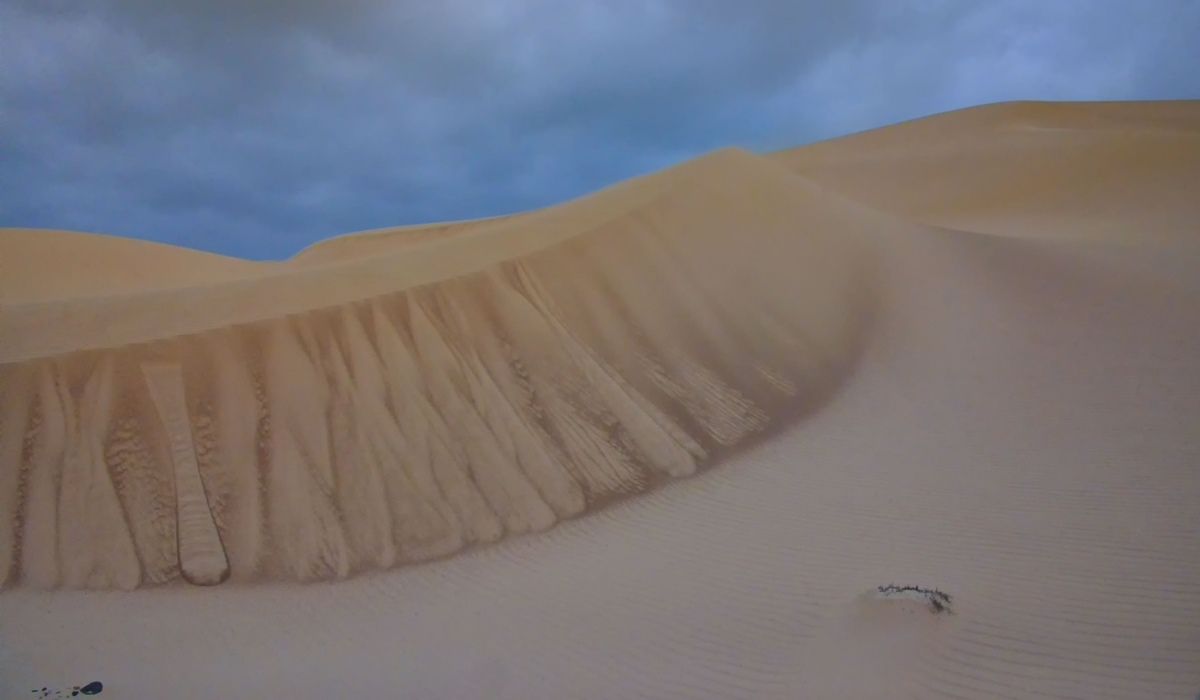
(961, 352)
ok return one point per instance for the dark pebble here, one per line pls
(92, 688)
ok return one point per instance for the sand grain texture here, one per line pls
(957, 352)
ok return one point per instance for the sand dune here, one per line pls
(958, 352)
(1095, 172)
(385, 418)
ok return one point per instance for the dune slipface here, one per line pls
(309, 423)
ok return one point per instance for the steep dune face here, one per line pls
(647, 330)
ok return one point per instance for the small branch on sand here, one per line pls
(938, 601)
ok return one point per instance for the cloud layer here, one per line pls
(254, 129)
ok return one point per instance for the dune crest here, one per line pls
(636, 341)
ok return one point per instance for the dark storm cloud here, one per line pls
(256, 128)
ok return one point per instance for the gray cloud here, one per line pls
(256, 128)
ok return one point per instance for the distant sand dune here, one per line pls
(1101, 171)
(959, 352)
(88, 264)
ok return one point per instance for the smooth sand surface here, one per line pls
(662, 441)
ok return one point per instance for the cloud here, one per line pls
(256, 128)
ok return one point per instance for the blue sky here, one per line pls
(256, 128)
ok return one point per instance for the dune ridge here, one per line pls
(405, 426)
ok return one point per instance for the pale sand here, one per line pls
(961, 352)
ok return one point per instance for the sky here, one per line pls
(257, 128)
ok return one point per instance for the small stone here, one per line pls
(92, 688)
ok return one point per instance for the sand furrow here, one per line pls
(409, 474)
(233, 475)
(39, 526)
(666, 445)
(520, 438)
(553, 398)
(427, 436)
(95, 548)
(16, 413)
(301, 514)
(361, 495)
(508, 490)
(139, 459)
